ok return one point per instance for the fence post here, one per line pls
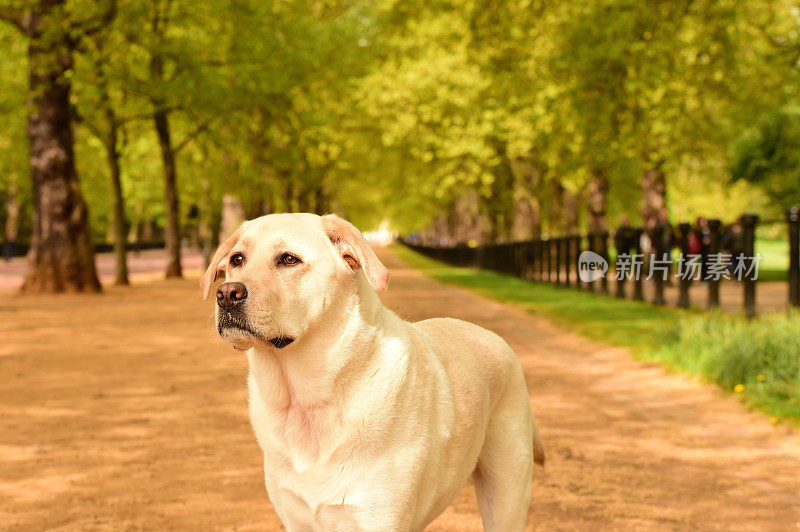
(558, 260)
(657, 240)
(749, 222)
(567, 260)
(603, 252)
(683, 299)
(713, 249)
(525, 262)
(793, 217)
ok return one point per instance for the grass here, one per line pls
(759, 360)
(613, 321)
(774, 264)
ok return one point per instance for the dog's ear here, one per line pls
(216, 266)
(355, 250)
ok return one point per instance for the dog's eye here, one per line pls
(237, 259)
(287, 259)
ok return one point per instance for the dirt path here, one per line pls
(125, 412)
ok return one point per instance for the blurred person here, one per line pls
(694, 244)
(703, 234)
(667, 240)
(733, 242)
(625, 244)
(624, 236)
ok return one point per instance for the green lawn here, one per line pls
(758, 360)
(775, 258)
(614, 321)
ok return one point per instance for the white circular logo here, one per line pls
(591, 266)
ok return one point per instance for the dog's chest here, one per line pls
(303, 464)
(304, 480)
(300, 439)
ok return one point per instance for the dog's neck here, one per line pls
(308, 373)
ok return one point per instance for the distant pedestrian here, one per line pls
(702, 233)
(694, 251)
(625, 244)
(664, 240)
(733, 242)
(624, 236)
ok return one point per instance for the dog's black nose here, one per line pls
(230, 295)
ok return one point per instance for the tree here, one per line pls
(172, 235)
(768, 154)
(61, 256)
(102, 120)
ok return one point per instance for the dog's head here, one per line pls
(282, 272)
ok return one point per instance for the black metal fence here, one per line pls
(555, 260)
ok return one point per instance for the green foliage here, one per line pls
(768, 155)
(394, 109)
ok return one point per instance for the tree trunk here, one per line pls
(61, 257)
(596, 197)
(120, 229)
(439, 232)
(148, 231)
(570, 202)
(555, 208)
(232, 216)
(208, 220)
(527, 221)
(465, 218)
(110, 138)
(135, 230)
(320, 200)
(172, 231)
(13, 209)
(654, 193)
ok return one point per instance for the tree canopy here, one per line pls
(513, 117)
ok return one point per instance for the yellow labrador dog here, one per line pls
(367, 421)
